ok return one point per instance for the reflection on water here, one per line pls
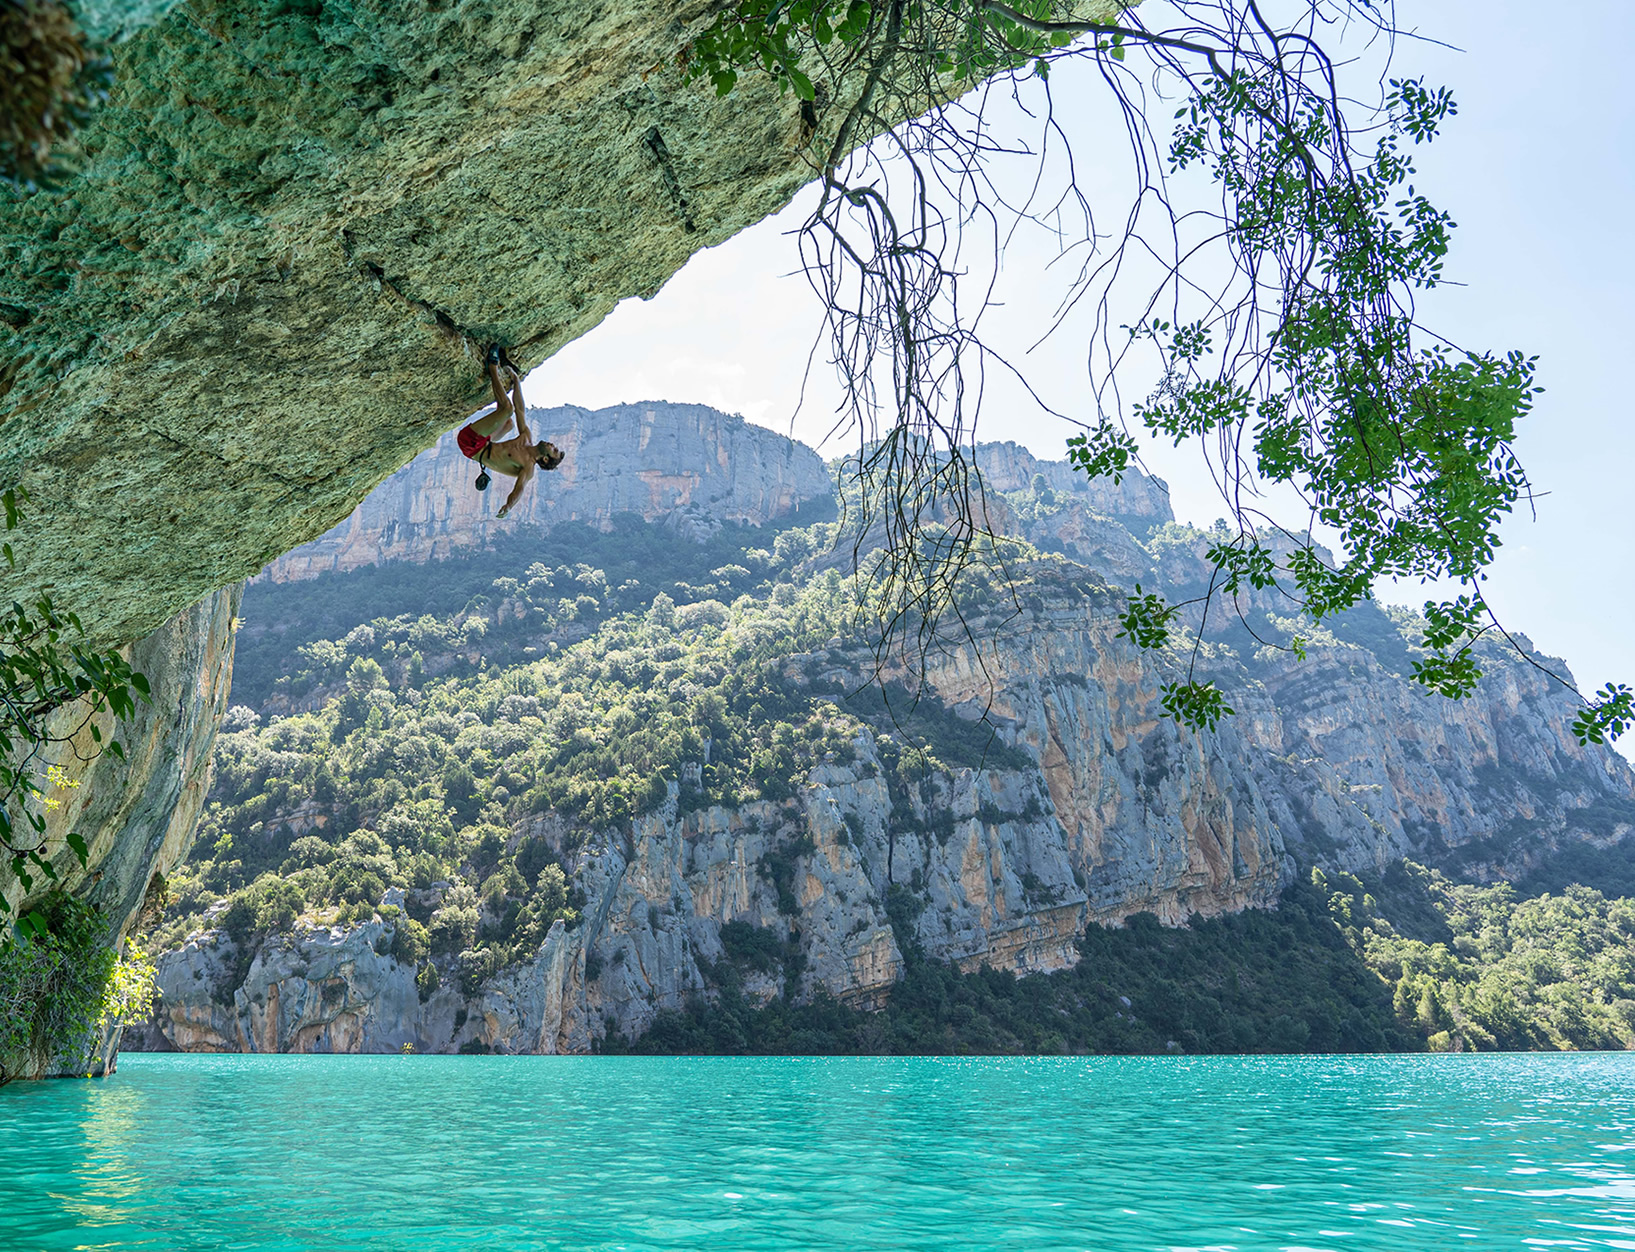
(435, 1153)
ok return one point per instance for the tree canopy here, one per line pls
(1264, 277)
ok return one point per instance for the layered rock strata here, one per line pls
(137, 815)
(1372, 769)
(1108, 810)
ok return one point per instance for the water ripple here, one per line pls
(1093, 1155)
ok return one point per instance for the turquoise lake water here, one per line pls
(437, 1153)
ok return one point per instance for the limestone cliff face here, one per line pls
(1367, 767)
(138, 815)
(1373, 769)
(1138, 503)
(685, 465)
(1101, 808)
(317, 991)
(1155, 819)
(1008, 870)
(1122, 813)
(1104, 522)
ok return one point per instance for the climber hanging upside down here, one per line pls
(518, 456)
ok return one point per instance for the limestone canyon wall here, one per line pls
(1110, 810)
(137, 815)
(1011, 865)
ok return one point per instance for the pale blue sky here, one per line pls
(1536, 170)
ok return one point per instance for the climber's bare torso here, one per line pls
(518, 456)
(514, 456)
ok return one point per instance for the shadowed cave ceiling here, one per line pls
(293, 228)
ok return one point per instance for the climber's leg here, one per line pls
(500, 418)
(516, 394)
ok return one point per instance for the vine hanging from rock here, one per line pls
(45, 672)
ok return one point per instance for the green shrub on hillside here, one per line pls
(1550, 972)
(411, 942)
(54, 986)
(432, 743)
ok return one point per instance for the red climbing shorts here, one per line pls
(471, 443)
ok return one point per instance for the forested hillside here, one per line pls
(1460, 968)
(633, 788)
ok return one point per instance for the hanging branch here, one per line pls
(1298, 362)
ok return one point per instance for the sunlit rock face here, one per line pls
(1100, 808)
(318, 991)
(1373, 769)
(683, 465)
(1364, 766)
(1138, 502)
(1005, 884)
(1010, 864)
(137, 815)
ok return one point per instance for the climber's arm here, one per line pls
(516, 491)
(521, 409)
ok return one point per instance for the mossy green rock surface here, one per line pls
(294, 226)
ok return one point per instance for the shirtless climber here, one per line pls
(518, 456)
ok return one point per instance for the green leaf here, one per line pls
(1452, 675)
(1146, 619)
(1105, 451)
(1244, 559)
(1606, 717)
(1198, 706)
(77, 844)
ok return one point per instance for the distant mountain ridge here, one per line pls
(686, 465)
(1088, 806)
